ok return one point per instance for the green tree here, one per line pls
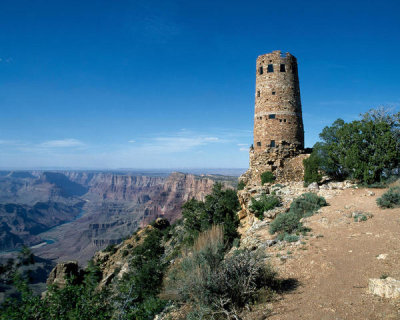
(366, 150)
(219, 207)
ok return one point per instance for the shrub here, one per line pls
(307, 204)
(286, 222)
(267, 177)
(311, 169)
(110, 248)
(220, 207)
(367, 150)
(303, 206)
(213, 284)
(390, 199)
(291, 238)
(241, 185)
(266, 202)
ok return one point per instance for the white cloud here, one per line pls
(65, 143)
(131, 141)
(243, 149)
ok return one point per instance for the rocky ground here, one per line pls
(330, 268)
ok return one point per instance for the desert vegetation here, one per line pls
(191, 258)
(265, 203)
(267, 177)
(390, 199)
(289, 222)
(366, 150)
(217, 285)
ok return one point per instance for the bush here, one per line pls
(366, 150)
(307, 204)
(311, 169)
(220, 207)
(241, 185)
(303, 206)
(286, 222)
(291, 238)
(390, 199)
(266, 202)
(111, 248)
(213, 284)
(267, 177)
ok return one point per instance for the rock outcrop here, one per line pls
(63, 271)
(386, 288)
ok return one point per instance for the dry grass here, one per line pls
(213, 238)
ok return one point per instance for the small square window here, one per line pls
(272, 144)
(270, 68)
(283, 68)
(280, 120)
(284, 120)
(273, 93)
(258, 144)
(260, 70)
(258, 93)
(271, 116)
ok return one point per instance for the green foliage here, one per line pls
(390, 199)
(138, 290)
(366, 150)
(220, 207)
(241, 185)
(307, 204)
(111, 248)
(291, 238)
(213, 284)
(286, 222)
(75, 301)
(360, 217)
(311, 169)
(25, 256)
(303, 206)
(267, 177)
(266, 202)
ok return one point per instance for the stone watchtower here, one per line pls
(277, 117)
(278, 124)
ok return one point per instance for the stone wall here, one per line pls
(286, 163)
(278, 115)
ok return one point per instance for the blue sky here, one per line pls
(170, 84)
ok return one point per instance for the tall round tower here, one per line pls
(278, 121)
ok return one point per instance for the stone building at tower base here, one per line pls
(285, 162)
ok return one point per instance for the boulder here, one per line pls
(387, 288)
(313, 186)
(62, 271)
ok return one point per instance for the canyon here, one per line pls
(65, 215)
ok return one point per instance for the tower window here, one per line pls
(280, 120)
(270, 68)
(271, 116)
(258, 144)
(260, 70)
(272, 144)
(258, 93)
(284, 120)
(273, 93)
(283, 68)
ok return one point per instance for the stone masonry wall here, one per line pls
(278, 115)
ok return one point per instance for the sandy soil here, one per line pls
(333, 264)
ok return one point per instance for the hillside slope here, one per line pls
(334, 263)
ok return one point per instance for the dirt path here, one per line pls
(334, 264)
